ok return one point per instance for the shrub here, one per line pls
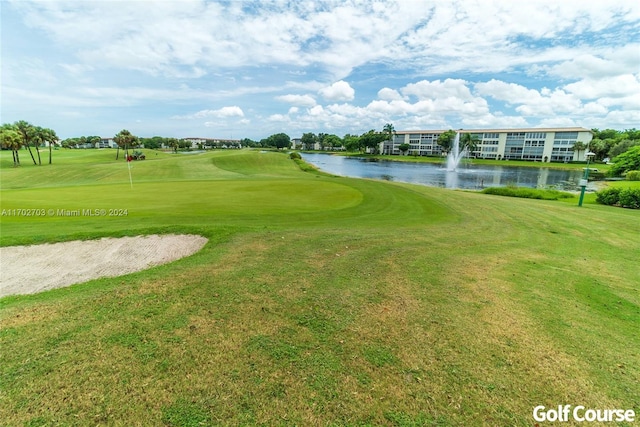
(633, 175)
(624, 197)
(608, 196)
(295, 155)
(527, 193)
(306, 167)
(630, 198)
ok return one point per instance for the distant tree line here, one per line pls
(606, 143)
(81, 142)
(368, 141)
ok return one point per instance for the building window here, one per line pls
(566, 135)
(536, 135)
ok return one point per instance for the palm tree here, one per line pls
(579, 146)
(173, 143)
(37, 136)
(390, 131)
(10, 138)
(49, 136)
(468, 142)
(24, 129)
(124, 139)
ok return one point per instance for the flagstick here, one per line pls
(129, 166)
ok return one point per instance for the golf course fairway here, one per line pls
(317, 301)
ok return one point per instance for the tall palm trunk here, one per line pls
(117, 152)
(49, 152)
(26, 141)
(38, 151)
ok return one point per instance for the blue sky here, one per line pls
(233, 69)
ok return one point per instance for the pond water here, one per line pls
(467, 176)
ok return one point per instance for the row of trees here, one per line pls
(607, 143)
(611, 143)
(21, 134)
(154, 143)
(371, 141)
(126, 140)
(14, 136)
(157, 142)
(325, 140)
(82, 141)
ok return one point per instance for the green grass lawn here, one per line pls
(623, 184)
(318, 300)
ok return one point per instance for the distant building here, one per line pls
(196, 141)
(538, 144)
(106, 143)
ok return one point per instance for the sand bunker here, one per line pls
(32, 269)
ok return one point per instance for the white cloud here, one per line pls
(495, 121)
(189, 38)
(233, 111)
(620, 119)
(278, 118)
(298, 100)
(594, 108)
(425, 89)
(618, 86)
(388, 107)
(174, 57)
(339, 91)
(531, 102)
(557, 122)
(503, 91)
(316, 111)
(586, 98)
(387, 94)
(629, 102)
(224, 112)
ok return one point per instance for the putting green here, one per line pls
(190, 197)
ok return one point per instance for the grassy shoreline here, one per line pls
(319, 300)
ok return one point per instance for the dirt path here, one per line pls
(32, 269)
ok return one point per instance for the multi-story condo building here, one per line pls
(539, 144)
